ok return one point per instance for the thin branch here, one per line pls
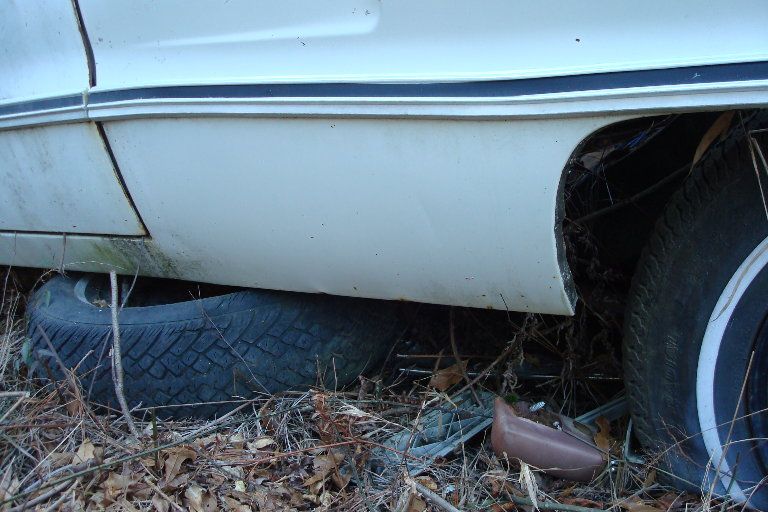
(551, 505)
(117, 359)
(167, 498)
(47, 495)
(20, 397)
(459, 362)
(511, 348)
(433, 497)
(632, 200)
(751, 142)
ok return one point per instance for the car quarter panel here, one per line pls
(390, 150)
(145, 43)
(442, 211)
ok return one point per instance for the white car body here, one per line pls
(384, 149)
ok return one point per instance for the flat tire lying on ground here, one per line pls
(698, 315)
(213, 349)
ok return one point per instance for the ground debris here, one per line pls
(315, 450)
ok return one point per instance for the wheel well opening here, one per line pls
(616, 185)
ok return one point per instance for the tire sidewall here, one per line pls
(196, 355)
(716, 240)
(57, 300)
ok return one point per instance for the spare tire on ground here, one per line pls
(193, 356)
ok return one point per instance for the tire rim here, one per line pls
(705, 371)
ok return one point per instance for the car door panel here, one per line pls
(56, 177)
(42, 53)
(60, 179)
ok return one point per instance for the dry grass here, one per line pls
(293, 451)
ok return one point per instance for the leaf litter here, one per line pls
(312, 450)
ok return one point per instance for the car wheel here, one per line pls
(696, 335)
(193, 356)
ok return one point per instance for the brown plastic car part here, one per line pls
(566, 453)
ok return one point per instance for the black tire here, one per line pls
(211, 349)
(685, 362)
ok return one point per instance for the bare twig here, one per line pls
(511, 348)
(752, 142)
(551, 505)
(459, 362)
(117, 361)
(433, 497)
(20, 397)
(46, 495)
(167, 498)
(634, 199)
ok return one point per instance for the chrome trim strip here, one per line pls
(561, 95)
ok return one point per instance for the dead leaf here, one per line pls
(673, 500)
(234, 505)
(177, 483)
(175, 458)
(194, 497)
(126, 506)
(528, 482)
(61, 459)
(417, 504)
(74, 407)
(235, 472)
(447, 377)
(217, 479)
(323, 466)
(259, 443)
(116, 485)
(213, 439)
(160, 503)
(427, 482)
(199, 500)
(637, 505)
(650, 478)
(150, 462)
(718, 129)
(209, 503)
(602, 437)
(9, 484)
(85, 452)
(240, 486)
(96, 501)
(140, 491)
(237, 441)
(326, 499)
(341, 481)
